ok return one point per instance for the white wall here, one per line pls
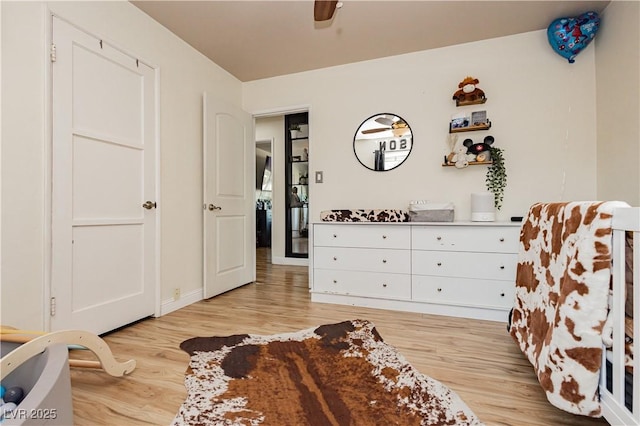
(184, 75)
(23, 133)
(0, 155)
(542, 109)
(618, 102)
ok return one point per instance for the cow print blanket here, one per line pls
(365, 215)
(335, 374)
(561, 306)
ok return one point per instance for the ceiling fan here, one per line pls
(398, 127)
(323, 10)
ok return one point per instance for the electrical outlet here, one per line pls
(319, 177)
(176, 293)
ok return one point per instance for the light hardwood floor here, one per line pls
(477, 359)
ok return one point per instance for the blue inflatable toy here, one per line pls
(569, 36)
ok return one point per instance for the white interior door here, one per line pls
(103, 238)
(229, 206)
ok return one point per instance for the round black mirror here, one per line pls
(383, 142)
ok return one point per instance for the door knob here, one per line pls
(149, 205)
(212, 207)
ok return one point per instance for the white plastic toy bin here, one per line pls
(46, 383)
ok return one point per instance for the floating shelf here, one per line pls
(471, 163)
(485, 126)
(476, 102)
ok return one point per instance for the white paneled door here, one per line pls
(103, 273)
(229, 205)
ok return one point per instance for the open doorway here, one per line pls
(270, 126)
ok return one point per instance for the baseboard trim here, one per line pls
(171, 305)
(474, 312)
(294, 261)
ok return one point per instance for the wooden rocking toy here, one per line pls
(31, 346)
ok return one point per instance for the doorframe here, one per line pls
(282, 111)
(47, 164)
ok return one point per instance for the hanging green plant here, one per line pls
(496, 179)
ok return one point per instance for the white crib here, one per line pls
(615, 410)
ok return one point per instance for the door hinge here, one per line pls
(52, 53)
(52, 307)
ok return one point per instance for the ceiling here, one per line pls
(260, 39)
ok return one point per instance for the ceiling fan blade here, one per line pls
(366, 132)
(323, 9)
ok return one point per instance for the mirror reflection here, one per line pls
(383, 142)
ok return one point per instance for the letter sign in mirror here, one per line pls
(383, 142)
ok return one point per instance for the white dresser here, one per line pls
(464, 269)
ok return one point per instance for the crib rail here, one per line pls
(613, 402)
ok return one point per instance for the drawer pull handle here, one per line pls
(439, 290)
(384, 285)
(384, 237)
(439, 263)
(438, 238)
(501, 266)
(335, 281)
(335, 258)
(501, 294)
(502, 240)
(335, 236)
(384, 260)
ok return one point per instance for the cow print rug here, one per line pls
(335, 374)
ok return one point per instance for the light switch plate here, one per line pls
(319, 177)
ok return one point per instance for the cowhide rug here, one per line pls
(336, 374)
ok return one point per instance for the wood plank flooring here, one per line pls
(477, 359)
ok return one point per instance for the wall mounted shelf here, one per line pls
(485, 126)
(471, 163)
(476, 102)
(296, 177)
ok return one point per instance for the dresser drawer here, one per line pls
(373, 236)
(369, 284)
(494, 266)
(463, 291)
(363, 259)
(496, 239)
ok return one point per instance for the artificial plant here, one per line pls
(496, 179)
